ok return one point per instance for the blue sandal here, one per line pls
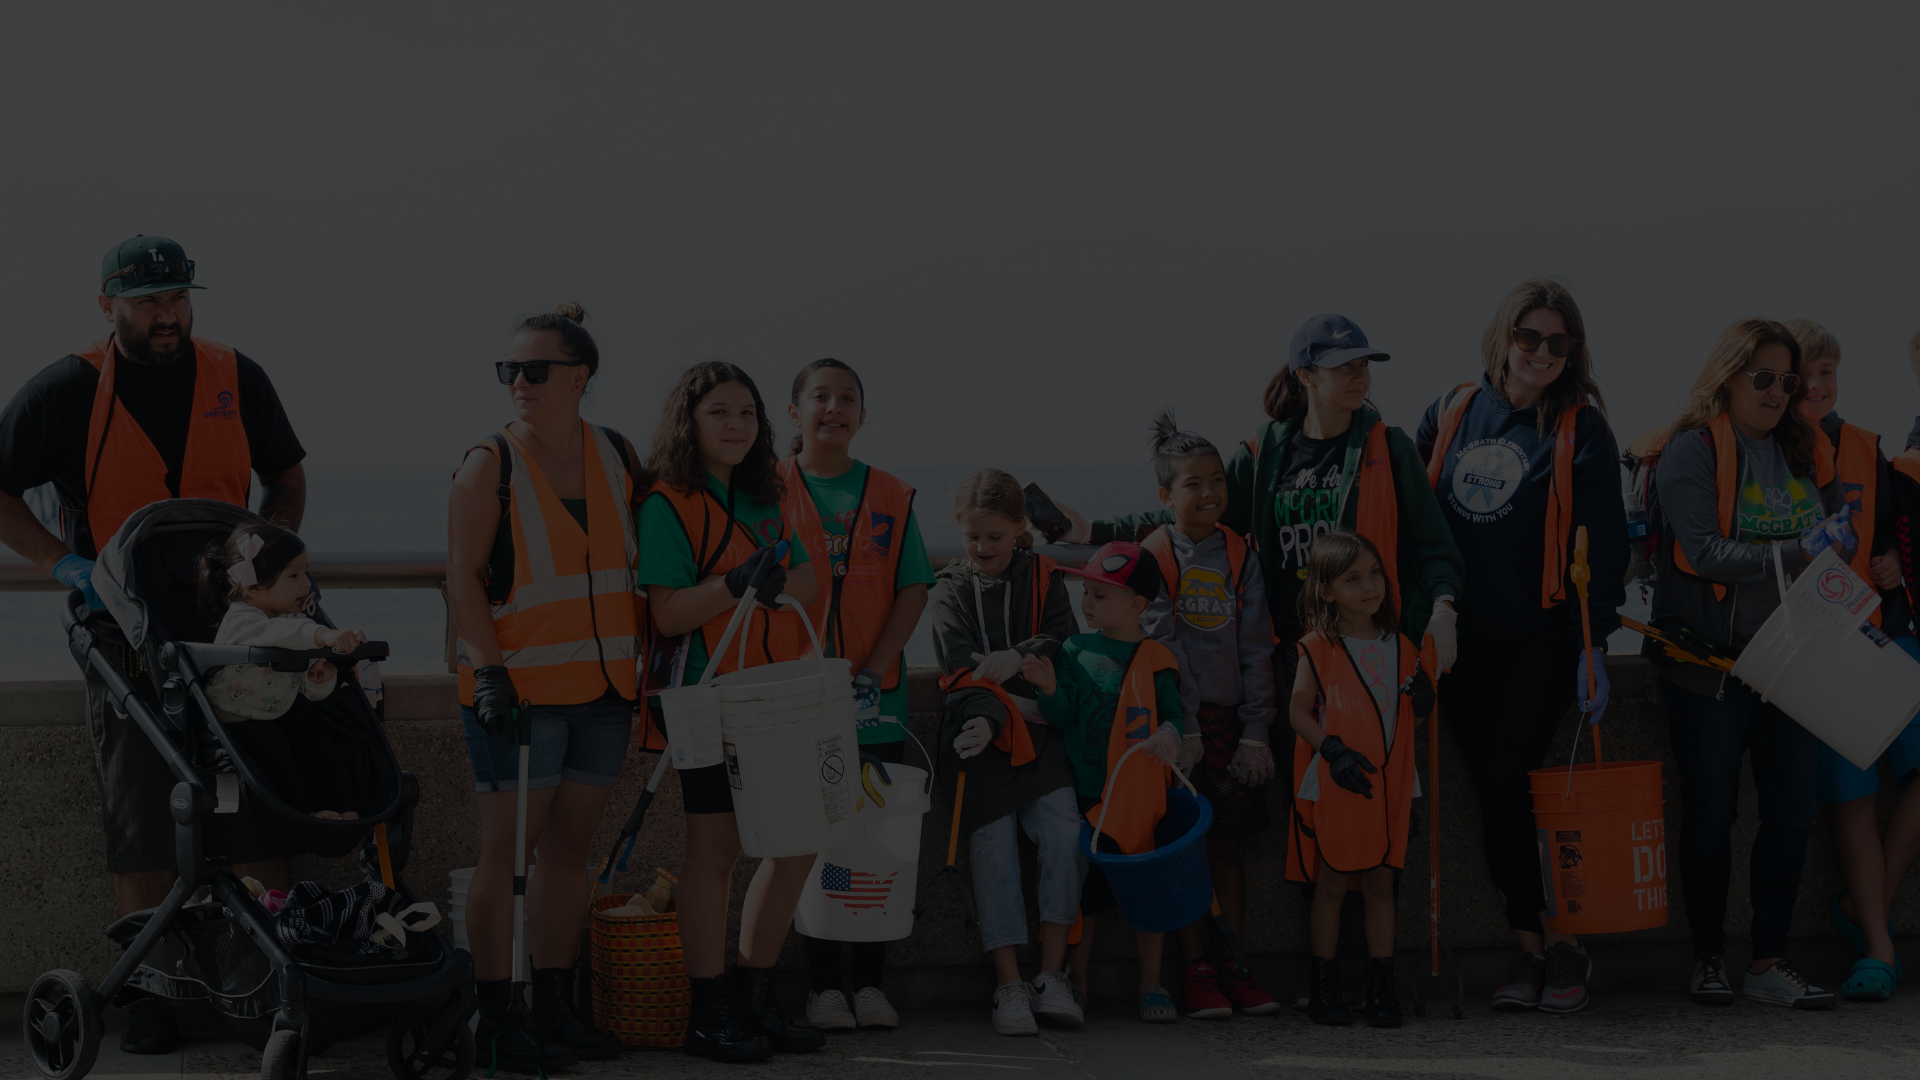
(1857, 939)
(1870, 980)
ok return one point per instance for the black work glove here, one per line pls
(763, 573)
(493, 699)
(1419, 688)
(1347, 766)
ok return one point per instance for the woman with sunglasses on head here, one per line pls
(1520, 460)
(1740, 488)
(548, 490)
(712, 527)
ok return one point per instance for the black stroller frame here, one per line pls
(426, 996)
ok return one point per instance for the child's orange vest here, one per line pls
(853, 607)
(1161, 545)
(1353, 833)
(1139, 792)
(770, 636)
(1014, 738)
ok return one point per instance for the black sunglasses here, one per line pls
(154, 273)
(1560, 345)
(1764, 379)
(536, 371)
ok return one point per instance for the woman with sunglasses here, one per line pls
(1740, 489)
(1520, 460)
(548, 490)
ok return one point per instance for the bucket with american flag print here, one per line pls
(865, 890)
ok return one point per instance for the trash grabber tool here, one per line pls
(630, 832)
(1581, 574)
(1430, 661)
(953, 852)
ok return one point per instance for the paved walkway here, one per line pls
(1642, 1038)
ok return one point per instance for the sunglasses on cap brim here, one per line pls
(536, 371)
(171, 271)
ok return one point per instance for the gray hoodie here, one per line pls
(1219, 630)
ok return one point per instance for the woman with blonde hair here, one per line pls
(1520, 460)
(1741, 493)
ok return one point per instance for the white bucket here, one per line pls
(793, 756)
(865, 891)
(692, 714)
(1821, 662)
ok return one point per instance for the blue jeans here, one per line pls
(1709, 739)
(1052, 822)
(582, 743)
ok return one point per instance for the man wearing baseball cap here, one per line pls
(149, 412)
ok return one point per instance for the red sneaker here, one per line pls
(1200, 996)
(1245, 994)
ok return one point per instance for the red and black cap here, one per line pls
(1123, 564)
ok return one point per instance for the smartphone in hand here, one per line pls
(1043, 515)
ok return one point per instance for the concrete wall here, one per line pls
(54, 897)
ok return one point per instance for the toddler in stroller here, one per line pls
(211, 952)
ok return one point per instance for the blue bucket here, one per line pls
(1171, 886)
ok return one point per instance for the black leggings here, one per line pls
(869, 957)
(299, 760)
(1504, 704)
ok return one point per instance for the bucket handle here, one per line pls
(739, 610)
(1106, 796)
(927, 788)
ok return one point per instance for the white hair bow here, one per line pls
(242, 572)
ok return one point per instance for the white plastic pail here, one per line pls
(1821, 662)
(865, 891)
(693, 726)
(793, 757)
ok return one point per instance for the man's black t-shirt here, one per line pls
(1306, 505)
(43, 431)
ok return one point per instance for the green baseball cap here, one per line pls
(145, 265)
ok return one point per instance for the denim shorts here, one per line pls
(1841, 780)
(582, 743)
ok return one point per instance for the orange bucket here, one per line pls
(640, 991)
(1602, 843)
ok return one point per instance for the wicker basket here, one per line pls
(640, 992)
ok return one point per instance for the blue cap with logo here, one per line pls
(1329, 341)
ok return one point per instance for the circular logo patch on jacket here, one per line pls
(1485, 477)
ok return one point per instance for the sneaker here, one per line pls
(1710, 985)
(1200, 996)
(150, 1032)
(1013, 1010)
(1055, 1000)
(1521, 990)
(1156, 1007)
(827, 1010)
(1565, 988)
(1249, 998)
(1781, 985)
(872, 1009)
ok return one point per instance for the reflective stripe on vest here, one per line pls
(853, 607)
(1161, 544)
(1559, 526)
(570, 628)
(769, 637)
(1353, 833)
(1139, 793)
(123, 470)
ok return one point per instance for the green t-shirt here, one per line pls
(666, 555)
(838, 499)
(1087, 675)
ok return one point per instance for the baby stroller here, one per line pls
(218, 960)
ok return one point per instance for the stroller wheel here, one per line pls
(61, 1023)
(281, 1059)
(412, 1057)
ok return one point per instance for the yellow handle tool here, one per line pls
(1581, 574)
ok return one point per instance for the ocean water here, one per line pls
(403, 508)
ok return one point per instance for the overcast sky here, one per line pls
(1027, 225)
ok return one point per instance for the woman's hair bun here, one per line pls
(567, 309)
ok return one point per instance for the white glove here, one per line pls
(1441, 625)
(974, 736)
(1252, 763)
(1190, 750)
(997, 666)
(1163, 745)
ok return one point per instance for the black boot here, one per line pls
(1383, 993)
(506, 1038)
(1325, 1002)
(714, 1031)
(559, 1020)
(761, 1014)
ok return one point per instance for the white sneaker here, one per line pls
(1053, 1000)
(1013, 1010)
(827, 1010)
(1781, 985)
(873, 1010)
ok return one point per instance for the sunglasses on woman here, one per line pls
(1560, 345)
(536, 371)
(1764, 379)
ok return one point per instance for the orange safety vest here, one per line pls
(1377, 517)
(1161, 544)
(1014, 738)
(1139, 793)
(1353, 833)
(850, 614)
(1726, 481)
(771, 636)
(570, 628)
(1559, 532)
(123, 470)
(1856, 464)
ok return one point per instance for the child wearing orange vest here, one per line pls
(1213, 617)
(857, 524)
(1357, 694)
(1111, 690)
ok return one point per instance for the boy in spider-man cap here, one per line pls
(1115, 689)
